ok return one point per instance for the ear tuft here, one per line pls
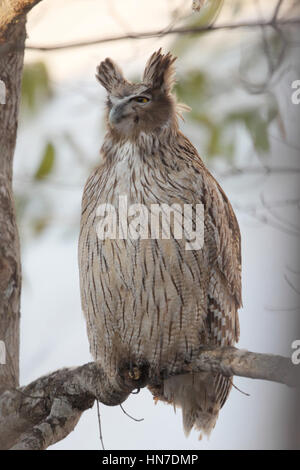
(109, 75)
(160, 71)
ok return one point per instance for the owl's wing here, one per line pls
(224, 290)
(225, 297)
(222, 242)
(229, 260)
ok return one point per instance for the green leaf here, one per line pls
(214, 144)
(258, 129)
(193, 87)
(39, 225)
(35, 85)
(256, 125)
(47, 162)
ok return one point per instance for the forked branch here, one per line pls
(47, 410)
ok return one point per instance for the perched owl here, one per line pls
(152, 301)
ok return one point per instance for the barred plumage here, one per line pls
(152, 300)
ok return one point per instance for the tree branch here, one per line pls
(276, 10)
(231, 361)
(47, 410)
(12, 39)
(11, 11)
(11, 65)
(259, 170)
(152, 34)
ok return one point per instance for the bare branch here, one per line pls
(253, 211)
(257, 170)
(27, 422)
(231, 361)
(276, 11)
(161, 33)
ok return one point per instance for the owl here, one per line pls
(152, 300)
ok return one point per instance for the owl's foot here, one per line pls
(134, 373)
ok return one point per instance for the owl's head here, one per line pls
(148, 106)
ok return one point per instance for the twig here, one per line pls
(259, 170)
(151, 34)
(276, 11)
(99, 424)
(138, 420)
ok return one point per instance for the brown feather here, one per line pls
(110, 75)
(160, 72)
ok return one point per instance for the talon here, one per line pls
(135, 373)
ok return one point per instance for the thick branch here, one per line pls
(12, 38)
(11, 11)
(11, 65)
(47, 410)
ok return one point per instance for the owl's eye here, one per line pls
(141, 99)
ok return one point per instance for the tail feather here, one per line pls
(200, 396)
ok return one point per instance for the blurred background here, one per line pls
(238, 82)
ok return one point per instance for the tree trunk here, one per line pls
(11, 66)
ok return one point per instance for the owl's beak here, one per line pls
(116, 113)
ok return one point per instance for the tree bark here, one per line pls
(11, 11)
(11, 65)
